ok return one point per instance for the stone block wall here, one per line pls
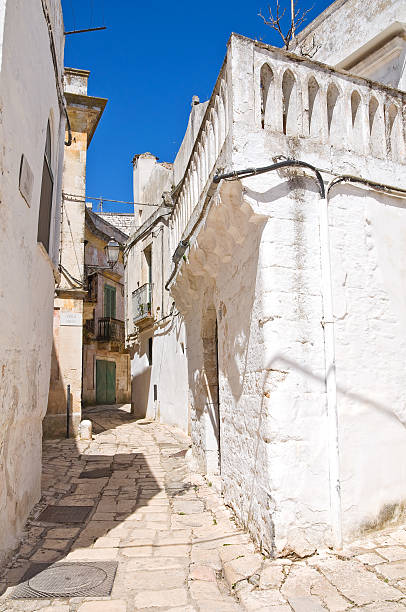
(28, 99)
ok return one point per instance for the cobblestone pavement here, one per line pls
(176, 544)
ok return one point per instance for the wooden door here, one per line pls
(105, 382)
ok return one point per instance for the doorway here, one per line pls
(105, 382)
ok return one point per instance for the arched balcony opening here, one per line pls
(267, 90)
(289, 96)
(356, 120)
(394, 139)
(333, 94)
(315, 115)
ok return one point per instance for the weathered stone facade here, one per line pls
(84, 114)
(29, 86)
(155, 332)
(289, 284)
(103, 331)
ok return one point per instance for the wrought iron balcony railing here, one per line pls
(111, 329)
(142, 302)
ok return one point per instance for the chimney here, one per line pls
(143, 164)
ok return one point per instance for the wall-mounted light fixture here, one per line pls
(112, 251)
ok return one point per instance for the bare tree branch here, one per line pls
(274, 22)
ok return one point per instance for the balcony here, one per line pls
(110, 329)
(142, 303)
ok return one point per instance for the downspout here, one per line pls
(331, 379)
(329, 346)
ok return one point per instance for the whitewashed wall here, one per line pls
(28, 99)
(168, 371)
(255, 266)
(346, 27)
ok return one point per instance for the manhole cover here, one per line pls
(65, 514)
(96, 473)
(67, 580)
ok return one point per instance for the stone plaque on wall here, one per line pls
(71, 318)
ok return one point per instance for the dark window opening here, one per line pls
(47, 186)
(150, 351)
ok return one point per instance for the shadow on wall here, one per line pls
(54, 424)
(141, 384)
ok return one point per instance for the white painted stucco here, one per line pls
(28, 99)
(159, 387)
(366, 37)
(291, 290)
(257, 268)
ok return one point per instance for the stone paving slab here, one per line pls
(145, 509)
(175, 542)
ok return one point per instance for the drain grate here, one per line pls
(83, 579)
(96, 473)
(65, 514)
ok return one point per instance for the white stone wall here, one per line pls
(368, 272)
(253, 289)
(351, 28)
(255, 264)
(168, 371)
(28, 100)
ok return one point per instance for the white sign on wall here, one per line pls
(71, 318)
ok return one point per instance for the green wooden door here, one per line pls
(109, 301)
(105, 382)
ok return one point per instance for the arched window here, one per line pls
(47, 185)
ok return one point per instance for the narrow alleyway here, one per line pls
(161, 527)
(171, 541)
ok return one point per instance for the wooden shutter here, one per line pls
(47, 186)
(109, 301)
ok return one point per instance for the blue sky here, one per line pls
(149, 63)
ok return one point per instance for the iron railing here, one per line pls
(142, 302)
(111, 329)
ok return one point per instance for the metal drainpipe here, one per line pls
(329, 347)
(331, 380)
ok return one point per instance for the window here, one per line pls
(47, 186)
(148, 264)
(109, 301)
(150, 351)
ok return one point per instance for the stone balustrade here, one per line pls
(207, 147)
(298, 98)
(306, 99)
